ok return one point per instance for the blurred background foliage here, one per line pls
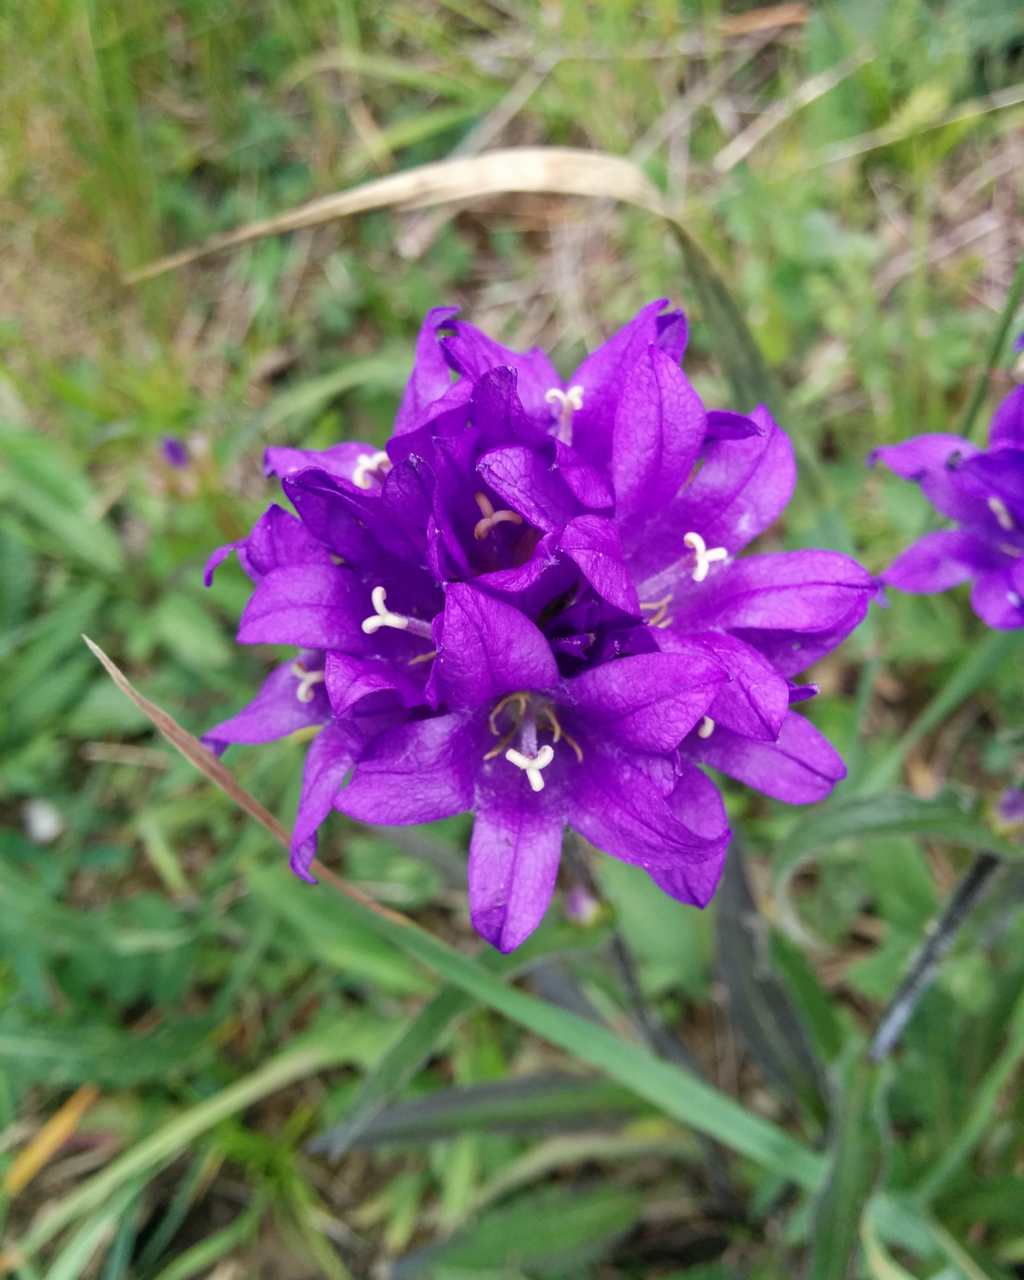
(290, 1094)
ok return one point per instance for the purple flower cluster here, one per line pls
(983, 491)
(532, 604)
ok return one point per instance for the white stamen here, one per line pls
(567, 402)
(706, 727)
(1002, 513)
(571, 399)
(532, 765)
(306, 679)
(704, 555)
(383, 617)
(369, 465)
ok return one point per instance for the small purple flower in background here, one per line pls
(1011, 807)
(983, 491)
(529, 605)
(175, 451)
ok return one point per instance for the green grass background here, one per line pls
(156, 949)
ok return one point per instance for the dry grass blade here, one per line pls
(49, 1140)
(208, 765)
(553, 170)
(779, 112)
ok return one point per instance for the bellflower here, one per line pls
(530, 605)
(982, 490)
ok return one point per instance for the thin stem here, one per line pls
(941, 935)
(1013, 299)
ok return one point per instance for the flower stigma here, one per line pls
(370, 466)
(1002, 513)
(306, 679)
(705, 556)
(567, 402)
(490, 517)
(706, 727)
(532, 765)
(383, 617)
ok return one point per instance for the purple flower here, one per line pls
(1011, 806)
(175, 451)
(983, 492)
(530, 605)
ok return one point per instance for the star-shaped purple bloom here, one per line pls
(530, 605)
(982, 490)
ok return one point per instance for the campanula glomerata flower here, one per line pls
(529, 605)
(982, 490)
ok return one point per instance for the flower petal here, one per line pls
(485, 649)
(650, 701)
(1007, 429)
(472, 354)
(621, 803)
(755, 701)
(531, 485)
(593, 544)
(658, 430)
(275, 712)
(513, 863)
(430, 378)
(698, 804)
(801, 767)
(340, 460)
(417, 772)
(277, 539)
(997, 597)
(784, 590)
(331, 755)
(350, 678)
(602, 375)
(724, 424)
(938, 561)
(315, 606)
(915, 458)
(742, 487)
(499, 415)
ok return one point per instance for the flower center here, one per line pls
(528, 756)
(370, 467)
(306, 679)
(1002, 513)
(704, 555)
(383, 617)
(567, 402)
(490, 517)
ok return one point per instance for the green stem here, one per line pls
(1013, 300)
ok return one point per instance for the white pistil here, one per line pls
(490, 517)
(1002, 513)
(706, 727)
(306, 679)
(383, 617)
(532, 765)
(704, 555)
(368, 466)
(567, 402)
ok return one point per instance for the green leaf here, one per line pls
(44, 484)
(526, 1104)
(855, 1153)
(759, 1005)
(552, 1232)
